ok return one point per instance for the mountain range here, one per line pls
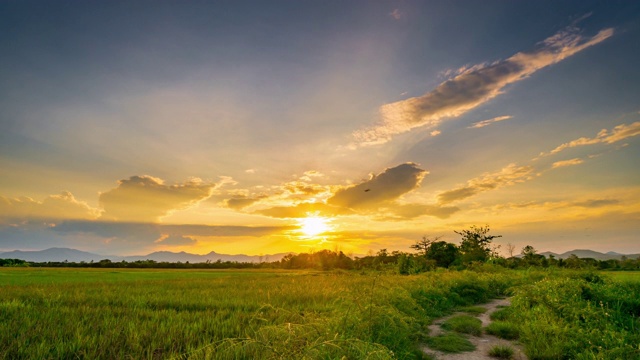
(581, 253)
(73, 255)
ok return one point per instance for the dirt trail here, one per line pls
(483, 343)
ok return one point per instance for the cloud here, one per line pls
(240, 203)
(564, 163)
(473, 87)
(61, 206)
(411, 211)
(483, 123)
(435, 133)
(147, 199)
(141, 234)
(396, 14)
(304, 209)
(509, 175)
(173, 240)
(618, 133)
(387, 186)
(375, 196)
(596, 203)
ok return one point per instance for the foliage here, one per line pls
(578, 316)
(476, 244)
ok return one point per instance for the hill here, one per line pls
(582, 253)
(73, 255)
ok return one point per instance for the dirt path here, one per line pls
(483, 343)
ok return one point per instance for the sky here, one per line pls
(263, 127)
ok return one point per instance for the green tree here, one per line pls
(476, 244)
(443, 253)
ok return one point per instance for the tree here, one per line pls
(443, 253)
(476, 243)
(510, 249)
(422, 246)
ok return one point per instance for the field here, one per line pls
(189, 314)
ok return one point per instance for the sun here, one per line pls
(314, 225)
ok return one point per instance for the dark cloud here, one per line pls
(146, 199)
(382, 188)
(596, 203)
(240, 202)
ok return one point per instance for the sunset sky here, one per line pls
(262, 127)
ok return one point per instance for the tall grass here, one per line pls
(94, 314)
(578, 316)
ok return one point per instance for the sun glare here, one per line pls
(313, 225)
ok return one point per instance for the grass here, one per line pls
(500, 314)
(503, 330)
(257, 314)
(450, 343)
(474, 310)
(464, 324)
(210, 314)
(501, 352)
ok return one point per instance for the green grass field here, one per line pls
(253, 314)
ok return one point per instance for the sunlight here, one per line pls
(313, 225)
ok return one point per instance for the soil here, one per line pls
(483, 343)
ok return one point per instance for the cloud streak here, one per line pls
(618, 133)
(483, 123)
(509, 175)
(474, 87)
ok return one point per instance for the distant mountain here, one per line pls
(590, 254)
(73, 255)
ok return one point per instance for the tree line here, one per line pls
(476, 247)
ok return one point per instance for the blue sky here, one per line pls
(122, 116)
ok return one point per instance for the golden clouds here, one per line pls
(618, 133)
(509, 175)
(145, 198)
(473, 87)
(53, 207)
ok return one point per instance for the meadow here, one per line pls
(277, 314)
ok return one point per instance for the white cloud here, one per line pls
(473, 87)
(483, 123)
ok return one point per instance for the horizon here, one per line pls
(261, 128)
